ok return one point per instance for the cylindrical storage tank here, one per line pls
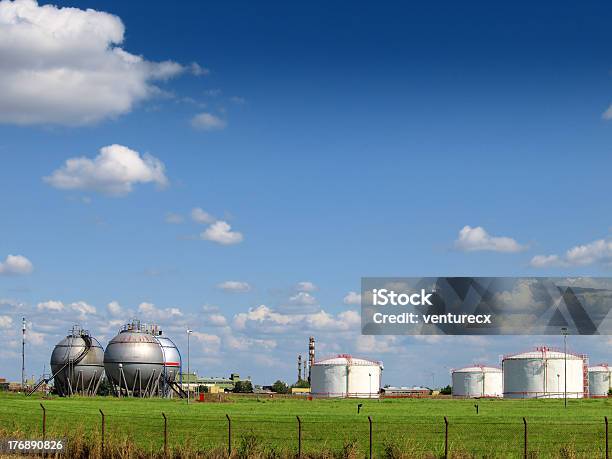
(599, 380)
(541, 374)
(77, 363)
(345, 376)
(477, 381)
(134, 361)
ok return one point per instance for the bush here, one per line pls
(448, 390)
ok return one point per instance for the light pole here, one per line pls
(564, 332)
(23, 333)
(558, 389)
(370, 394)
(189, 331)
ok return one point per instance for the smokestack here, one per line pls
(299, 367)
(23, 330)
(311, 355)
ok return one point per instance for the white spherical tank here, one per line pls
(600, 382)
(345, 376)
(477, 381)
(541, 374)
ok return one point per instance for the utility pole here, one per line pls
(189, 331)
(23, 331)
(564, 331)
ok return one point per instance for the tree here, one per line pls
(280, 387)
(105, 388)
(243, 387)
(302, 383)
(609, 392)
(448, 390)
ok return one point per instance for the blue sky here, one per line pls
(339, 140)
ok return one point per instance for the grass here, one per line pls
(265, 427)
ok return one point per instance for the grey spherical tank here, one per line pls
(134, 360)
(172, 357)
(141, 362)
(77, 363)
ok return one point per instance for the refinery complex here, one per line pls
(141, 361)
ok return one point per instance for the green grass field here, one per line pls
(412, 426)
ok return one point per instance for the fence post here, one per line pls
(370, 421)
(445, 437)
(103, 423)
(607, 449)
(525, 441)
(165, 434)
(299, 437)
(229, 435)
(44, 421)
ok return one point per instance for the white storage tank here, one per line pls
(599, 380)
(541, 374)
(477, 381)
(346, 376)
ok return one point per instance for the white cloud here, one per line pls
(113, 172)
(545, 261)
(244, 343)
(51, 305)
(367, 343)
(474, 239)
(15, 265)
(217, 320)
(6, 322)
(352, 298)
(303, 299)
(174, 219)
(263, 316)
(66, 66)
(208, 122)
(81, 307)
(114, 308)
(209, 342)
(197, 70)
(150, 311)
(198, 215)
(221, 233)
(234, 286)
(306, 287)
(596, 252)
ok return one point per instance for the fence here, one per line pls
(304, 435)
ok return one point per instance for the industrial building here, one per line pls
(541, 374)
(345, 376)
(213, 385)
(477, 381)
(600, 382)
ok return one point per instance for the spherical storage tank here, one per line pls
(140, 361)
(477, 381)
(599, 380)
(77, 363)
(541, 374)
(345, 376)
